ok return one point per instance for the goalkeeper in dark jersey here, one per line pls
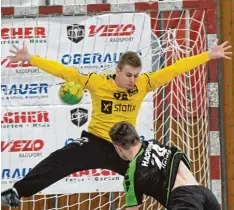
(115, 98)
(158, 171)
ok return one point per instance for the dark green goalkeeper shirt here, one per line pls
(152, 172)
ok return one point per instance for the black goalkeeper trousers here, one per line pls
(91, 152)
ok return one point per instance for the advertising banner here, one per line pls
(89, 44)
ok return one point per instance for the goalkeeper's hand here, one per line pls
(220, 51)
(20, 54)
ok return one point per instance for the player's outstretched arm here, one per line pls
(50, 66)
(162, 76)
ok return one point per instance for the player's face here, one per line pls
(127, 76)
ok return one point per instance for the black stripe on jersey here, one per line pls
(88, 80)
(148, 80)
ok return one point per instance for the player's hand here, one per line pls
(20, 54)
(220, 51)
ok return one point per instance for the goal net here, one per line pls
(91, 38)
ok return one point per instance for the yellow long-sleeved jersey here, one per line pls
(110, 103)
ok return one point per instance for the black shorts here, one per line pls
(192, 197)
(86, 153)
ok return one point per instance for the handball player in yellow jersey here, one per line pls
(115, 98)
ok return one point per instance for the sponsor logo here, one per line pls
(124, 107)
(93, 174)
(25, 148)
(92, 60)
(33, 34)
(19, 67)
(24, 91)
(75, 32)
(133, 91)
(25, 119)
(113, 32)
(79, 116)
(108, 107)
(22, 145)
(16, 173)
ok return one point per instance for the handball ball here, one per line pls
(71, 93)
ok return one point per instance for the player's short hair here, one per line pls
(124, 135)
(129, 58)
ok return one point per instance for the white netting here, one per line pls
(180, 108)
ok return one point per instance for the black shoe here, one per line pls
(10, 198)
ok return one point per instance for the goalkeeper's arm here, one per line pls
(57, 69)
(52, 67)
(162, 76)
